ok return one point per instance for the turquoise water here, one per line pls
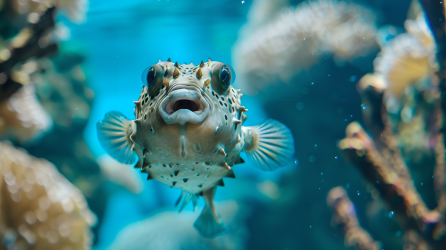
(122, 38)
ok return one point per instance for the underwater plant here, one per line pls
(385, 152)
(279, 48)
(188, 134)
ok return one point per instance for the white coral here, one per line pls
(296, 39)
(22, 116)
(407, 58)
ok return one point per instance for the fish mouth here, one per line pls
(184, 106)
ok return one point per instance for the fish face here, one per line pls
(184, 104)
(188, 112)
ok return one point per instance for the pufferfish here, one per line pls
(188, 134)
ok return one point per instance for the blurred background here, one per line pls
(296, 62)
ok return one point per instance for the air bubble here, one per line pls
(391, 214)
(363, 106)
(312, 158)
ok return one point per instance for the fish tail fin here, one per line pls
(114, 133)
(209, 224)
(269, 145)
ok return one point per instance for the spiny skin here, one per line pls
(189, 156)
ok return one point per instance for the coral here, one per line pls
(170, 230)
(22, 117)
(345, 216)
(297, 38)
(29, 38)
(406, 71)
(40, 208)
(377, 153)
(31, 41)
(27, 9)
(408, 58)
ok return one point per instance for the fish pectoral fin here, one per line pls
(114, 133)
(269, 145)
(208, 225)
(187, 197)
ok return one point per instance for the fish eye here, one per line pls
(153, 77)
(148, 76)
(222, 77)
(225, 76)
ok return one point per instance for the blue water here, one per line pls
(122, 38)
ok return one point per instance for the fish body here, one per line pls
(188, 134)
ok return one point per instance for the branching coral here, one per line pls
(345, 216)
(31, 41)
(27, 30)
(377, 153)
(28, 9)
(40, 209)
(298, 37)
